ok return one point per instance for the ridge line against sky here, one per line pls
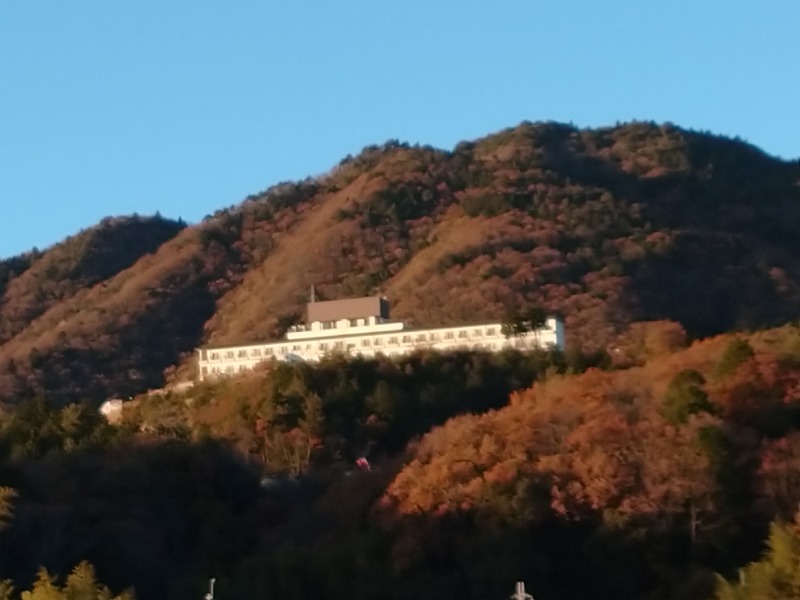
(184, 108)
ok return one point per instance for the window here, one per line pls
(462, 334)
(393, 340)
(205, 370)
(256, 352)
(283, 350)
(204, 354)
(296, 348)
(434, 337)
(229, 369)
(365, 343)
(354, 323)
(477, 333)
(268, 351)
(323, 346)
(406, 339)
(242, 353)
(215, 356)
(329, 324)
(378, 341)
(229, 354)
(421, 337)
(449, 335)
(338, 345)
(490, 331)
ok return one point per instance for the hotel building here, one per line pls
(362, 327)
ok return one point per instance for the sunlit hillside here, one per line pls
(605, 227)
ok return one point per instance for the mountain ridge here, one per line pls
(605, 226)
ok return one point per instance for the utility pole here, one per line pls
(520, 593)
(210, 594)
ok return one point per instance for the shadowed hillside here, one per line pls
(639, 482)
(606, 227)
(43, 280)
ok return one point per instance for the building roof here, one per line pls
(350, 308)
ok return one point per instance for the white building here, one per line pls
(362, 327)
(112, 410)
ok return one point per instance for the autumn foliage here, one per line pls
(606, 227)
(672, 448)
(651, 460)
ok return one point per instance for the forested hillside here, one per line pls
(651, 460)
(304, 481)
(605, 227)
(634, 483)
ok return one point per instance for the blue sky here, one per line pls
(185, 107)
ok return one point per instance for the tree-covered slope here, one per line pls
(634, 483)
(639, 482)
(605, 227)
(80, 261)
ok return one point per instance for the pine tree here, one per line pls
(6, 496)
(82, 584)
(6, 590)
(44, 588)
(775, 577)
(685, 396)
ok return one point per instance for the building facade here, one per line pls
(362, 327)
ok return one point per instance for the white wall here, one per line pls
(370, 341)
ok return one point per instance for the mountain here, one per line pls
(616, 483)
(606, 227)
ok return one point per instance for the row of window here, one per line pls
(226, 370)
(378, 341)
(339, 346)
(353, 323)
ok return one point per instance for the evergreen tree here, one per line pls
(81, 584)
(737, 352)
(685, 396)
(775, 577)
(6, 496)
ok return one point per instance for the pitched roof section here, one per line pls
(351, 308)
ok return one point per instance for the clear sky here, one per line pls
(187, 106)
